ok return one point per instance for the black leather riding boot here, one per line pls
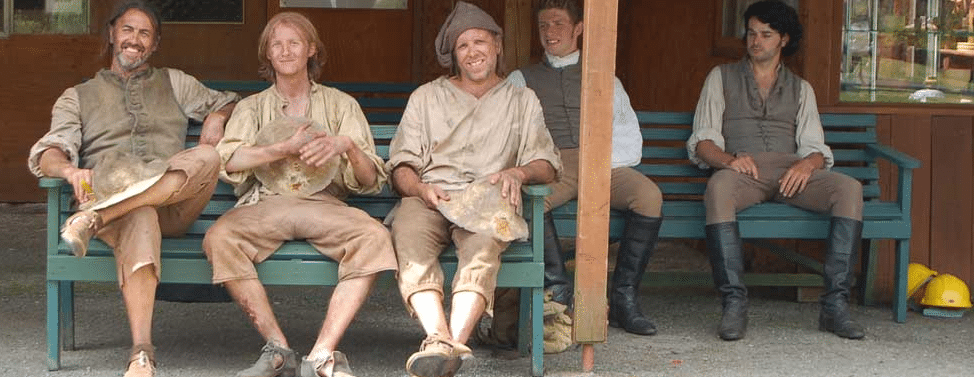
(556, 279)
(727, 262)
(837, 273)
(635, 248)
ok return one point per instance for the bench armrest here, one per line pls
(901, 159)
(536, 190)
(49, 183)
(904, 184)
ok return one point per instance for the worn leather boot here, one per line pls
(635, 248)
(727, 263)
(837, 273)
(556, 279)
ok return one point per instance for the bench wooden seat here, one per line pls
(852, 138)
(296, 262)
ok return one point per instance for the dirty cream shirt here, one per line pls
(125, 128)
(335, 110)
(451, 137)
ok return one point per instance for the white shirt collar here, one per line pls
(566, 60)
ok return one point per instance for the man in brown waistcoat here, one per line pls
(141, 112)
(757, 126)
(557, 81)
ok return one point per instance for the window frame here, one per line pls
(7, 18)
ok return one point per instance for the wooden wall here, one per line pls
(665, 50)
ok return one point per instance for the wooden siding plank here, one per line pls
(953, 183)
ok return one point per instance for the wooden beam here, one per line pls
(595, 143)
(518, 24)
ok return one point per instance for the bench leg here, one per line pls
(524, 323)
(53, 326)
(67, 315)
(537, 331)
(531, 328)
(868, 286)
(899, 295)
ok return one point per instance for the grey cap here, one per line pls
(464, 16)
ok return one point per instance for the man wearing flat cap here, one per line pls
(455, 130)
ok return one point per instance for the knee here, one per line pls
(720, 188)
(215, 241)
(144, 216)
(849, 198)
(209, 159)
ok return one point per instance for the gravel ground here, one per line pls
(215, 339)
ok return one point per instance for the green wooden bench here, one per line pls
(296, 262)
(853, 140)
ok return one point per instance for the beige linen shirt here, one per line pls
(196, 101)
(708, 121)
(335, 110)
(451, 138)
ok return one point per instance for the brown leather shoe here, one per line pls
(265, 366)
(141, 363)
(437, 357)
(334, 365)
(78, 230)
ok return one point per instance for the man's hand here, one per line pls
(796, 178)
(510, 180)
(80, 180)
(744, 164)
(323, 147)
(292, 145)
(432, 194)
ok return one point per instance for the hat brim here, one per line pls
(130, 191)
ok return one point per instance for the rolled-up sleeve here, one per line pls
(409, 145)
(241, 130)
(809, 134)
(196, 100)
(708, 119)
(65, 132)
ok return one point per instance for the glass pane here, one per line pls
(909, 51)
(50, 17)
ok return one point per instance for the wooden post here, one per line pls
(518, 25)
(595, 156)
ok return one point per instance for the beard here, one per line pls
(129, 65)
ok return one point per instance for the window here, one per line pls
(46, 16)
(908, 51)
(4, 22)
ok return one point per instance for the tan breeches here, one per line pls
(250, 234)
(136, 237)
(420, 234)
(729, 192)
(630, 189)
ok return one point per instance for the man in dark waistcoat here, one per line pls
(757, 126)
(557, 81)
(140, 113)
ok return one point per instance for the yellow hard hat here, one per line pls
(947, 291)
(917, 275)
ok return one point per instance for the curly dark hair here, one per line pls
(570, 6)
(781, 17)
